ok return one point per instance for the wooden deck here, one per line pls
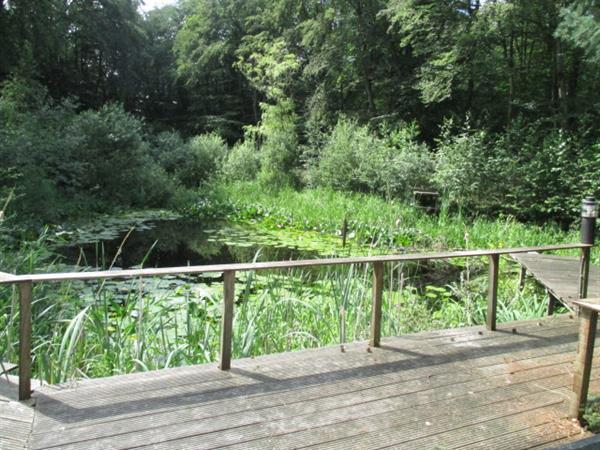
(16, 418)
(559, 275)
(464, 388)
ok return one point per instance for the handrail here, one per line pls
(239, 267)
(25, 284)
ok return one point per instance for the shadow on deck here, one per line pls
(462, 388)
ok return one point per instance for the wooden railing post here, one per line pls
(583, 361)
(25, 298)
(492, 291)
(227, 319)
(376, 307)
(589, 213)
(584, 272)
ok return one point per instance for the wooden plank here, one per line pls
(376, 306)
(395, 395)
(361, 427)
(584, 272)
(494, 262)
(425, 373)
(319, 369)
(361, 398)
(25, 301)
(522, 278)
(227, 319)
(552, 300)
(136, 273)
(560, 275)
(6, 276)
(6, 367)
(405, 363)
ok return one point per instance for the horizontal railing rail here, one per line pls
(25, 283)
(239, 267)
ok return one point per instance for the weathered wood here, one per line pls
(584, 273)
(583, 362)
(6, 276)
(552, 300)
(445, 388)
(494, 262)
(25, 301)
(227, 319)
(561, 275)
(522, 278)
(6, 367)
(189, 270)
(376, 306)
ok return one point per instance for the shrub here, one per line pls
(201, 159)
(355, 159)
(242, 163)
(278, 140)
(551, 171)
(409, 163)
(468, 173)
(70, 162)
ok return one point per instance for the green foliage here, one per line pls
(581, 26)
(203, 157)
(354, 158)
(525, 171)
(242, 162)
(384, 224)
(63, 162)
(463, 171)
(550, 172)
(267, 64)
(279, 154)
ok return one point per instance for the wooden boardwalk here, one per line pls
(559, 275)
(16, 418)
(465, 388)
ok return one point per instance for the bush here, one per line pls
(528, 171)
(242, 163)
(71, 163)
(277, 135)
(464, 173)
(408, 165)
(355, 159)
(201, 159)
(550, 171)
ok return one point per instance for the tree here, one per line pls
(581, 26)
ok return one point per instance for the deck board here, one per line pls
(461, 388)
(559, 275)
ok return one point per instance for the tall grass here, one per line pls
(92, 331)
(391, 223)
(101, 329)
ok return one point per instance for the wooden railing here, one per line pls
(25, 284)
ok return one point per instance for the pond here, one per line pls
(160, 239)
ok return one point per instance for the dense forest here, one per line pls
(494, 103)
